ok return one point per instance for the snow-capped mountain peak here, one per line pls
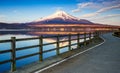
(61, 17)
(59, 14)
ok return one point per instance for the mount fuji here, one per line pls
(61, 17)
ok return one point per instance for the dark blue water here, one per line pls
(25, 61)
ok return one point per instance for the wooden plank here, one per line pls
(27, 47)
(64, 41)
(5, 51)
(49, 43)
(26, 56)
(49, 50)
(6, 61)
(5, 41)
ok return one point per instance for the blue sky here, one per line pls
(99, 11)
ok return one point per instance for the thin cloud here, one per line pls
(110, 2)
(99, 4)
(76, 10)
(107, 17)
(101, 11)
(112, 19)
(85, 5)
(108, 8)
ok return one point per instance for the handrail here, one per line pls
(14, 49)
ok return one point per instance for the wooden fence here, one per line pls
(13, 49)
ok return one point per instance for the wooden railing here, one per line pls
(14, 49)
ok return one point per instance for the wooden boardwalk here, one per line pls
(102, 59)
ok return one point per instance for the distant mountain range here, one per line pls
(12, 26)
(59, 17)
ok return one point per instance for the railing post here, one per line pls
(41, 48)
(90, 37)
(78, 40)
(57, 50)
(85, 38)
(95, 35)
(69, 38)
(13, 54)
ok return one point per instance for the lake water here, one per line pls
(22, 62)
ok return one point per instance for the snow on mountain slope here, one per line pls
(61, 17)
(59, 14)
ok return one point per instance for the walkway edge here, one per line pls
(70, 57)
